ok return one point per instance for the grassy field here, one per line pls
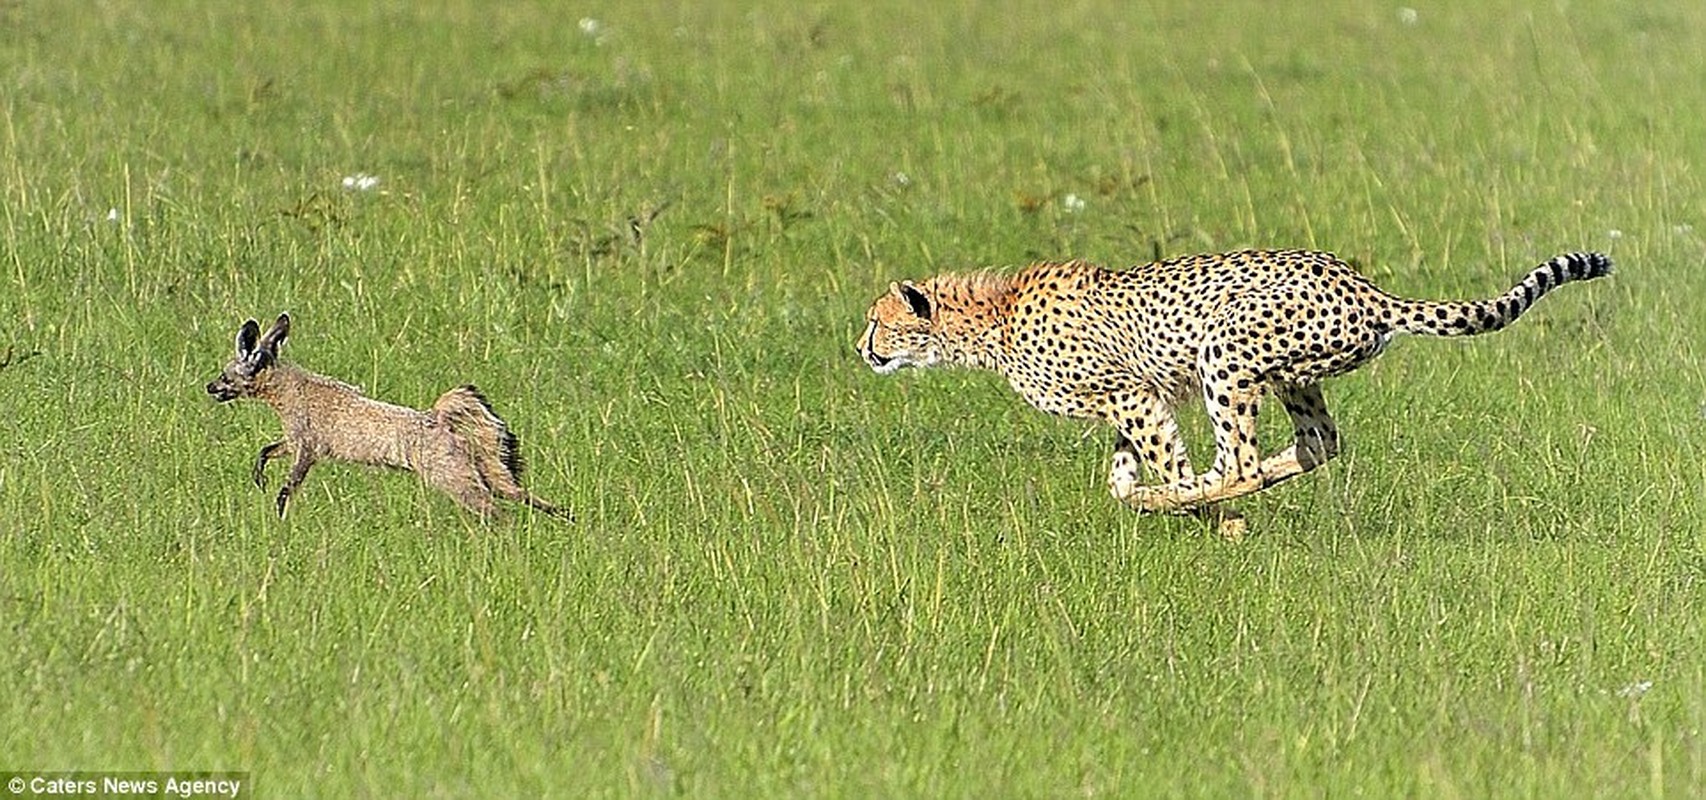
(649, 232)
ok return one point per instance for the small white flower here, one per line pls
(1614, 234)
(1072, 203)
(901, 179)
(594, 30)
(112, 215)
(1635, 689)
(360, 182)
(1407, 15)
(1682, 230)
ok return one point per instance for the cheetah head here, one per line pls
(898, 331)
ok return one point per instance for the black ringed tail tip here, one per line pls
(1580, 266)
(1564, 269)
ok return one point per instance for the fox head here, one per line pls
(255, 355)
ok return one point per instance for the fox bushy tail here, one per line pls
(495, 449)
(1467, 318)
(470, 415)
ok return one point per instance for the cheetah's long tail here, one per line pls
(1471, 317)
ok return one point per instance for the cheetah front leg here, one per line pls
(1237, 470)
(1237, 461)
(1148, 434)
(1151, 422)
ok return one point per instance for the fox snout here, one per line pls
(222, 391)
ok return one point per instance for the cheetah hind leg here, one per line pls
(1317, 438)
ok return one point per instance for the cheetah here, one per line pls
(1129, 347)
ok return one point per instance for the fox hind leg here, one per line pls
(503, 483)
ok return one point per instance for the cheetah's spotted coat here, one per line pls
(1128, 347)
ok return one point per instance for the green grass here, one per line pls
(790, 576)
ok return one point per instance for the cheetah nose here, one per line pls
(877, 361)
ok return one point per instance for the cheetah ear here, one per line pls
(915, 298)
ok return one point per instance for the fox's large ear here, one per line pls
(915, 298)
(246, 338)
(276, 335)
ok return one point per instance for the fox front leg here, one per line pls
(298, 470)
(268, 453)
